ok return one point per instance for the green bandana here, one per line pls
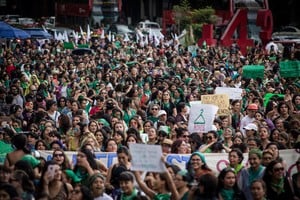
(131, 196)
(227, 194)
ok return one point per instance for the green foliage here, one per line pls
(185, 17)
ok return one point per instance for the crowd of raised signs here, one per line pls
(123, 92)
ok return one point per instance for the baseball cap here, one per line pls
(161, 112)
(251, 126)
(252, 106)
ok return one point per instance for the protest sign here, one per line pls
(146, 158)
(201, 117)
(253, 71)
(216, 161)
(233, 93)
(290, 68)
(220, 100)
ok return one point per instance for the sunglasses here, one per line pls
(278, 169)
(58, 155)
(185, 136)
(154, 108)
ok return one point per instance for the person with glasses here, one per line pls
(153, 113)
(81, 192)
(278, 185)
(51, 182)
(211, 139)
(60, 158)
(267, 157)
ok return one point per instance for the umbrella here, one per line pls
(9, 32)
(82, 51)
(38, 33)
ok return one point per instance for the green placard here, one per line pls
(253, 71)
(68, 45)
(290, 68)
(270, 96)
(83, 46)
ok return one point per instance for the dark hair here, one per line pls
(239, 154)
(126, 176)
(269, 170)
(20, 142)
(26, 167)
(221, 178)
(11, 191)
(27, 184)
(124, 149)
(209, 182)
(86, 193)
(175, 145)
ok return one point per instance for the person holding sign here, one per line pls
(160, 190)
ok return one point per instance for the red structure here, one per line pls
(239, 17)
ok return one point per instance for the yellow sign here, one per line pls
(220, 100)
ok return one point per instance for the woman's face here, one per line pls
(93, 127)
(254, 161)
(152, 134)
(237, 141)
(275, 136)
(147, 127)
(41, 146)
(131, 140)
(58, 157)
(229, 180)
(233, 158)
(119, 127)
(258, 116)
(99, 137)
(112, 146)
(228, 133)
(264, 133)
(182, 149)
(127, 187)
(196, 162)
(275, 150)
(133, 123)
(98, 187)
(123, 158)
(118, 138)
(257, 190)
(76, 194)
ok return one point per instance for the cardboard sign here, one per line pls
(220, 100)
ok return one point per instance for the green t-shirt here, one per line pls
(162, 197)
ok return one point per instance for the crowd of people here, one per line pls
(140, 92)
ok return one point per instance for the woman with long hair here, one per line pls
(60, 158)
(236, 158)
(114, 171)
(227, 185)
(278, 186)
(21, 181)
(51, 183)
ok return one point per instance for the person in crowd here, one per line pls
(25, 187)
(206, 189)
(81, 192)
(51, 182)
(296, 179)
(278, 185)
(258, 189)
(236, 158)
(197, 166)
(227, 185)
(124, 164)
(60, 158)
(253, 172)
(96, 185)
(267, 157)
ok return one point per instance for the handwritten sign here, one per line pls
(233, 93)
(201, 117)
(146, 158)
(220, 100)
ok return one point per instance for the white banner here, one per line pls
(216, 161)
(201, 117)
(233, 93)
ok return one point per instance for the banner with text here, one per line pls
(220, 100)
(216, 161)
(233, 93)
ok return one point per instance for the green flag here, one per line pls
(290, 68)
(68, 45)
(253, 71)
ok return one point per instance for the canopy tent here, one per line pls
(38, 33)
(9, 32)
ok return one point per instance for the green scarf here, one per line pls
(131, 196)
(227, 194)
(238, 168)
(279, 187)
(253, 175)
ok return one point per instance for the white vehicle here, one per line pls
(147, 25)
